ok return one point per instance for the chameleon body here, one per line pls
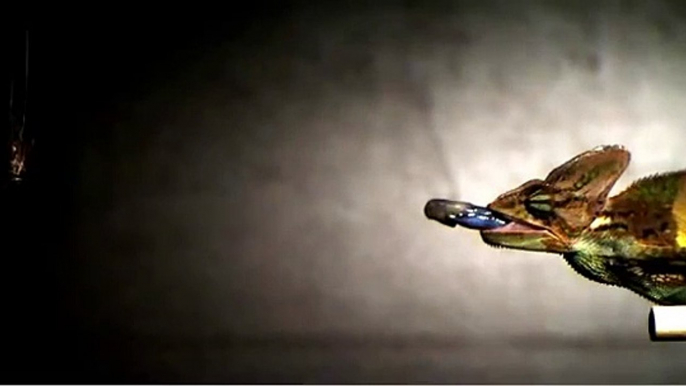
(635, 240)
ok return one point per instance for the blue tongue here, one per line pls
(452, 213)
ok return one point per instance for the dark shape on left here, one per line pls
(19, 142)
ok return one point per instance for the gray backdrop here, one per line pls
(255, 213)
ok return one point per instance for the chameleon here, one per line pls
(635, 240)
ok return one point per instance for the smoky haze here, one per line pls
(246, 198)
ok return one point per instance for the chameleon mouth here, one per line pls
(497, 229)
(467, 215)
(453, 213)
(522, 235)
(514, 226)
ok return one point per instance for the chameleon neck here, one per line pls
(660, 280)
(591, 267)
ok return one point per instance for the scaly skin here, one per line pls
(635, 240)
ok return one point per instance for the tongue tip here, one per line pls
(453, 213)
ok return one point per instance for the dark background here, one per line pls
(236, 195)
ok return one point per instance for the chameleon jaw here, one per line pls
(525, 236)
(497, 229)
(515, 226)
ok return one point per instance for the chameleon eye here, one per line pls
(539, 206)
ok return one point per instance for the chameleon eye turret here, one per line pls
(635, 240)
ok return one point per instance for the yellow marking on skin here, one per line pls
(636, 271)
(679, 214)
(668, 278)
(600, 221)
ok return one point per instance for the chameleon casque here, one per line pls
(635, 240)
